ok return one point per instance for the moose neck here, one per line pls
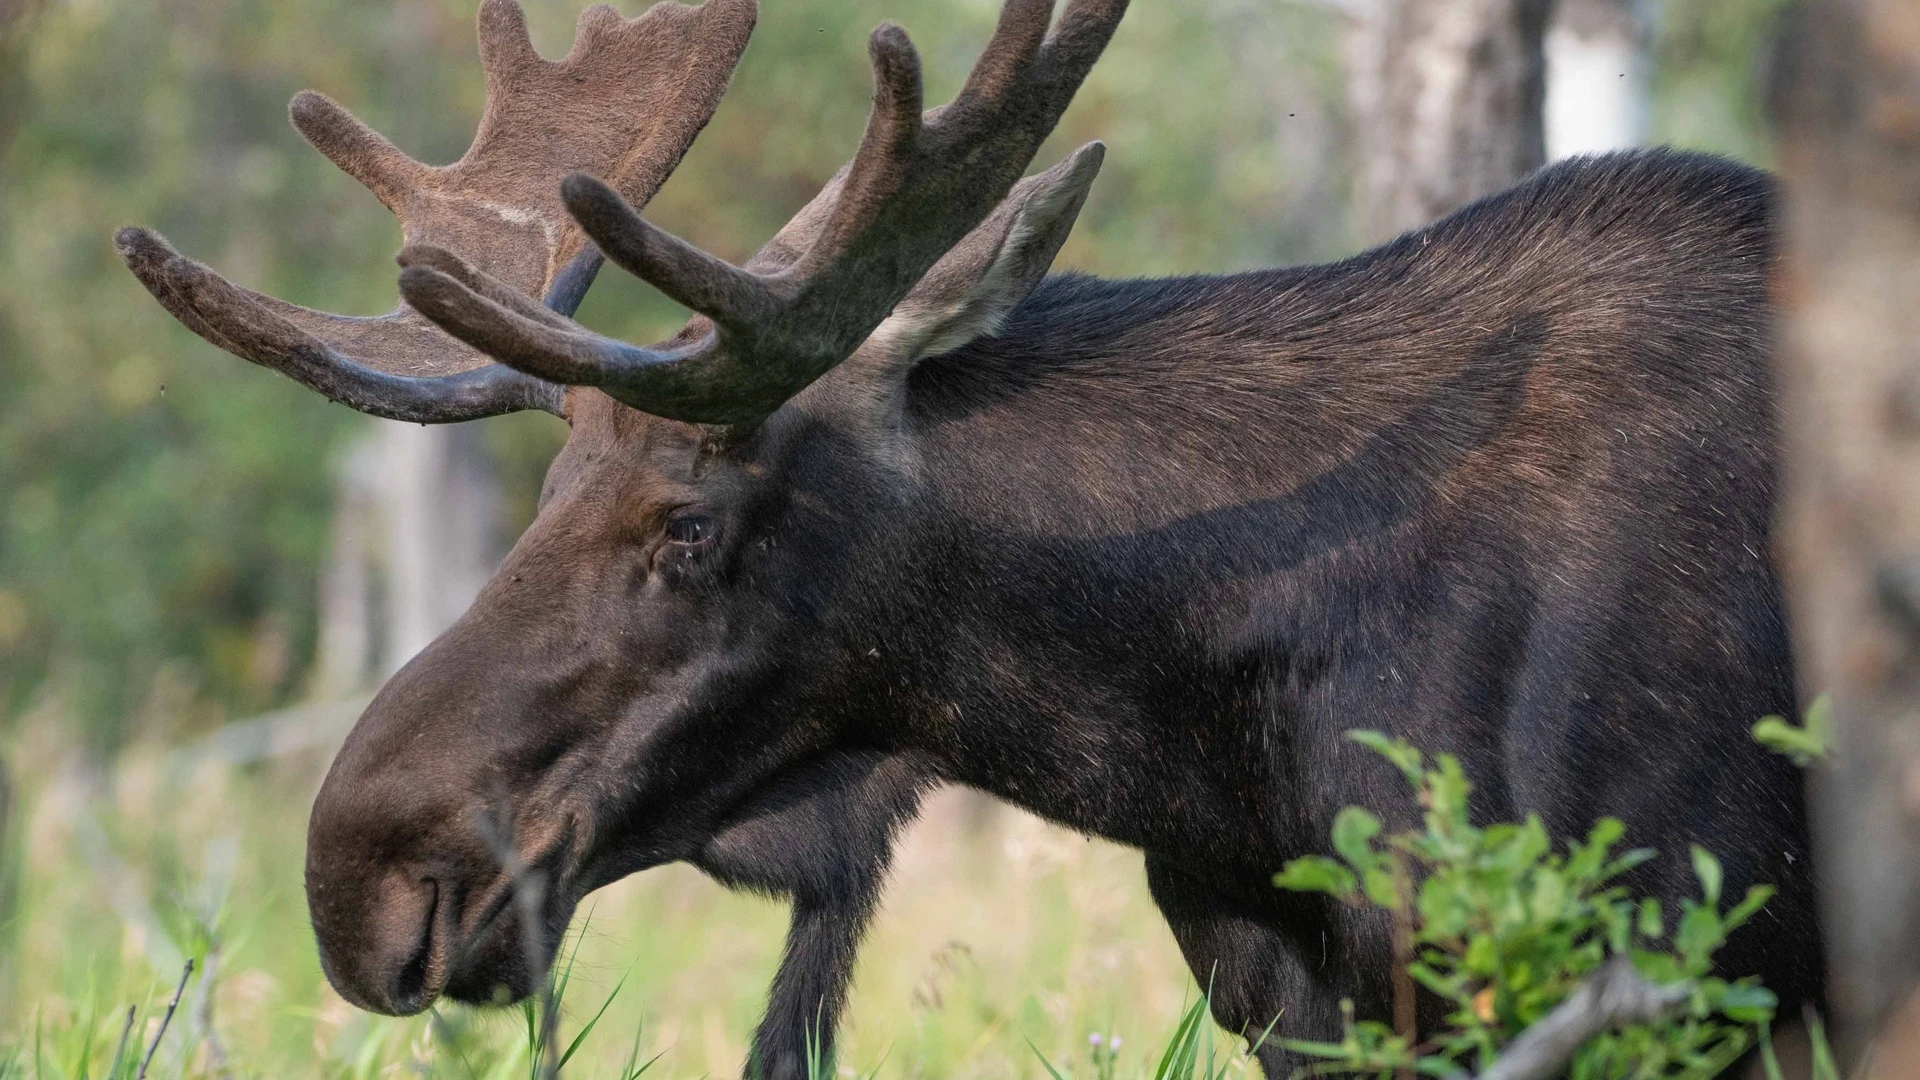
(1140, 495)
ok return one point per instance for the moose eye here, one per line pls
(690, 530)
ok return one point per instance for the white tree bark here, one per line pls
(1848, 99)
(1597, 75)
(347, 657)
(416, 536)
(442, 508)
(1446, 99)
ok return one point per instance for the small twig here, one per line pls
(1610, 997)
(202, 1012)
(165, 1019)
(529, 896)
(1404, 1019)
(120, 1048)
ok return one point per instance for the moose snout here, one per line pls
(384, 948)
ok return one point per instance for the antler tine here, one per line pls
(251, 326)
(558, 349)
(624, 104)
(1017, 38)
(918, 184)
(505, 45)
(1078, 41)
(357, 149)
(453, 266)
(688, 275)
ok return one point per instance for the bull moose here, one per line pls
(897, 509)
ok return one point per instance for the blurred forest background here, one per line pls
(189, 544)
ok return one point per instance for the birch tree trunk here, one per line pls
(1847, 94)
(1446, 98)
(347, 657)
(442, 509)
(1598, 70)
(416, 534)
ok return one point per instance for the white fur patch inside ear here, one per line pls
(917, 329)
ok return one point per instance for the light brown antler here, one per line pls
(623, 105)
(917, 186)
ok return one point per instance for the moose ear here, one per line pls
(970, 291)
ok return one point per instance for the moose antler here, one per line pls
(916, 187)
(624, 105)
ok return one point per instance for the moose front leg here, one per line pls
(1260, 978)
(821, 835)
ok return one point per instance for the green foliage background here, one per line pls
(164, 508)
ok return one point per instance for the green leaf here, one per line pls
(1699, 934)
(1449, 987)
(1380, 887)
(1549, 895)
(1807, 745)
(1651, 924)
(1707, 869)
(1585, 860)
(1747, 908)
(1317, 873)
(1626, 862)
(1353, 833)
(1619, 927)
(1399, 751)
(1606, 832)
(1482, 957)
(1447, 788)
(1746, 1003)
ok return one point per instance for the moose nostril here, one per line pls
(410, 985)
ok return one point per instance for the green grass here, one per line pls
(999, 936)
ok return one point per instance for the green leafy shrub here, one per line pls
(1503, 927)
(1806, 745)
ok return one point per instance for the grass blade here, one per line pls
(587, 1028)
(1048, 1065)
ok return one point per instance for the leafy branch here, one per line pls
(1506, 930)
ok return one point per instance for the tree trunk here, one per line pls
(1847, 94)
(416, 534)
(1597, 74)
(442, 515)
(348, 656)
(1446, 98)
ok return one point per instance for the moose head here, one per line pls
(666, 645)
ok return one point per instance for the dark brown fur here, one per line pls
(1135, 561)
(1132, 555)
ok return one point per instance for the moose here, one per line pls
(898, 509)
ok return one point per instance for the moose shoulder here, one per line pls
(896, 510)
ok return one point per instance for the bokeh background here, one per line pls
(204, 567)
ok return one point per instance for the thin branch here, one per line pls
(202, 1013)
(1613, 996)
(165, 1019)
(1405, 1020)
(120, 1048)
(529, 895)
